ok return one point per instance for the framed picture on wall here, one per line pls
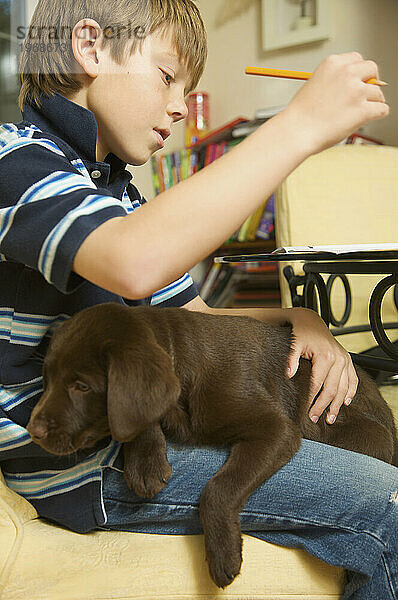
(294, 22)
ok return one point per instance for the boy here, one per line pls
(75, 232)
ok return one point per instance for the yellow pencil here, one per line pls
(294, 74)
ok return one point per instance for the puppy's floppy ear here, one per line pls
(142, 387)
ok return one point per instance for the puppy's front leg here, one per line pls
(146, 468)
(250, 463)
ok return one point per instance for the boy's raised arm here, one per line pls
(179, 228)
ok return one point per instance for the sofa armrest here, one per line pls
(14, 512)
(19, 508)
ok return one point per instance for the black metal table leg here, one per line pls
(315, 281)
(348, 299)
(375, 315)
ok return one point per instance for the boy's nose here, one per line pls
(178, 110)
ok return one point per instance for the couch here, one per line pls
(41, 561)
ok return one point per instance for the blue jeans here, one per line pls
(340, 506)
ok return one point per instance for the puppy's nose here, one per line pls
(38, 430)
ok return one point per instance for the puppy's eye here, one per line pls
(81, 386)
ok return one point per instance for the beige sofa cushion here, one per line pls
(42, 561)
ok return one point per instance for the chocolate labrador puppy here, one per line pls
(145, 374)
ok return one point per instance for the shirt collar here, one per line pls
(72, 123)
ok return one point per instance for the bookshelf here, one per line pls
(229, 285)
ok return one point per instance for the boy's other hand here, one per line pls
(333, 374)
(336, 101)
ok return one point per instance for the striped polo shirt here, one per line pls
(53, 193)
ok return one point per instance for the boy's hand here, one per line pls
(332, 367)
(336, 101)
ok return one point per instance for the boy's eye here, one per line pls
(168, 79)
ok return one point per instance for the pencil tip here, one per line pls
(376, 81)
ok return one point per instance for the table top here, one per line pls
(375, 255)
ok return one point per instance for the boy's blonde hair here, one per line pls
(47, 64)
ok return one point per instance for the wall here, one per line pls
(367, 26)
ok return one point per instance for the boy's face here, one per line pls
(135, 104)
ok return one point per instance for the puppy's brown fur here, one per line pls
(146, 374)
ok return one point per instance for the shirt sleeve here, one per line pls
(178, 293)
(48, 206)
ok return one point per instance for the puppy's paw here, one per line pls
(225, 560)
(147, 478)
(223, 542)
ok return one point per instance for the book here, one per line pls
(266, 226)
(242, 233)
(193, 164)
(220, 149)
(177, 164)
(255, 222)
(185, 160)
(155, 176)
(168, 168)
(340, 249)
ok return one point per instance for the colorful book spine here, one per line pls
(242, 233)
(193, 163)
(266, 227)
(169, 170)
(184, 164)
(254, 223)
(155, 175)
(177, 164)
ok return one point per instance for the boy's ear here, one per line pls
(141, 389)
(86, 36)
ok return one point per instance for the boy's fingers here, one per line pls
(374, 93)
(346, 391)
(376, 106)
(335, 387)
(293, 363)
(363, 69)
(352, 383)
(366, 69)
(319, 372)
(351, 57)
(339, 399)
(377, 110)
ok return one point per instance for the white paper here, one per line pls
(340, 249)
